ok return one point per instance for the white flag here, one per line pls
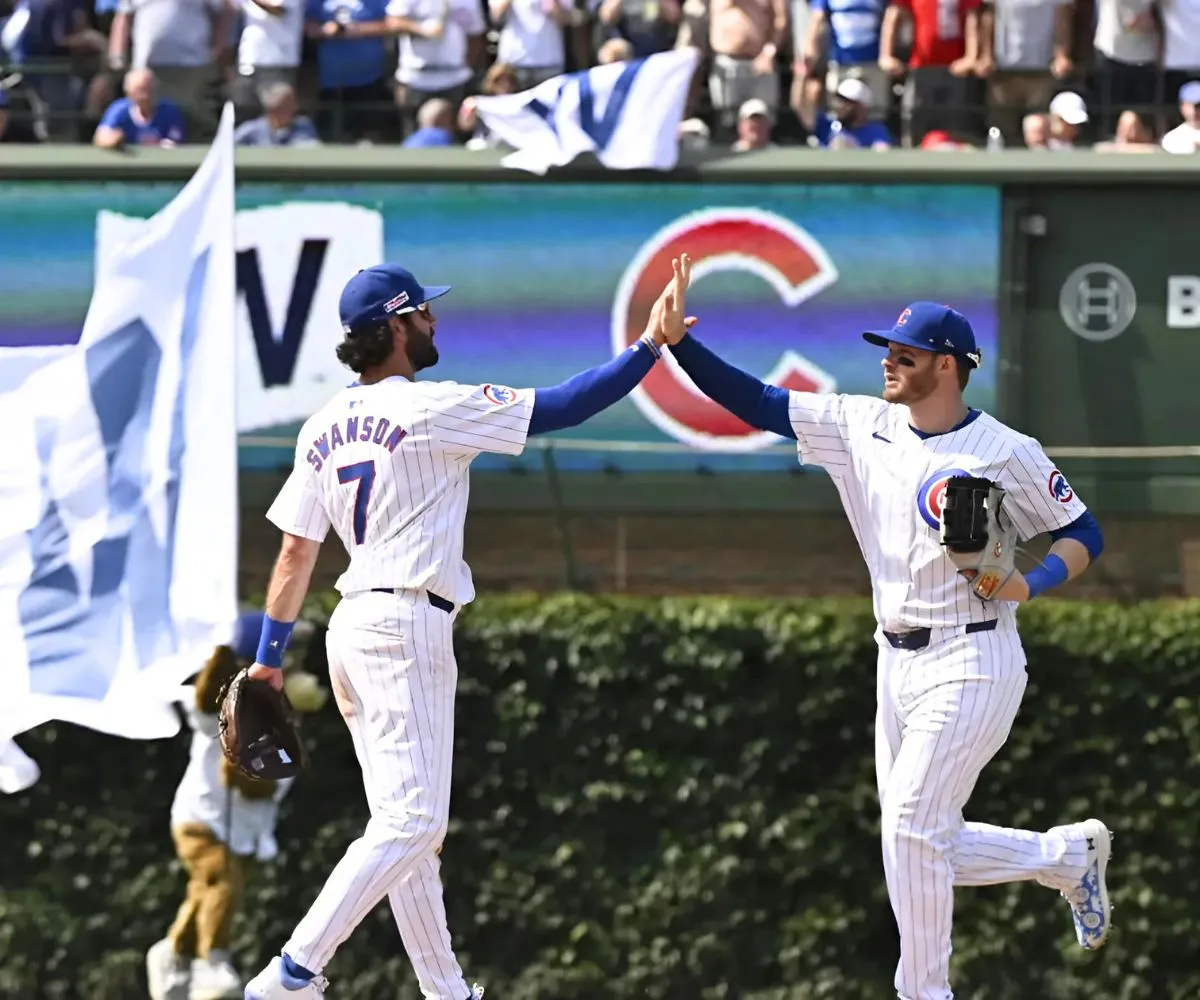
(118, 495)
(626, 113)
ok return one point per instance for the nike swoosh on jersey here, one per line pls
(876, 434)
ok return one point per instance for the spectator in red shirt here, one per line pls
(941, 91)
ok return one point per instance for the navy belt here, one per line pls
(918, 638)
(438, 602)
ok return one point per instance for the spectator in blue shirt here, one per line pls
(3, 111)
(853, 28)
(850, 124)
(435, 125)
(352, 64)
(279, 125)
(140, 118)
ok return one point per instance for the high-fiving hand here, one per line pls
(667, 321)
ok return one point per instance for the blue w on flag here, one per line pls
(118, 495)
(627, 114)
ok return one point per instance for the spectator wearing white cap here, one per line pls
(1185, 138)
(753, 126)
(848, 123)
(1068, 114)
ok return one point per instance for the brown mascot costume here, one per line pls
(222, 822)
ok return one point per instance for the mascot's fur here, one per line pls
(216, 852)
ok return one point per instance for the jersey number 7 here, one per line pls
(364, 474)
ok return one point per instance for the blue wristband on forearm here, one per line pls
(272, 641)
(1051, 573)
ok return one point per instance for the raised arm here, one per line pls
(582, 396)
(758, 404)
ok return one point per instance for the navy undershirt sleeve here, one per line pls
(1084, 530)
(758, 404)
(584, 395)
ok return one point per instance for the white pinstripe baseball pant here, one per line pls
(393, 674)
(943, 713)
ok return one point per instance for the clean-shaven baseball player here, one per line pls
(385, 463)
(951, 669)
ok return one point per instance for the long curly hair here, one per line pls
(366, 347)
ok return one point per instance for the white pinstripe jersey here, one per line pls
(387, 465)
(891, 481)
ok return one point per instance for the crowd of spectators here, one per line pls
(1115, 75)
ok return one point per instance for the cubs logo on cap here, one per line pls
(932, 495)
(931, 326)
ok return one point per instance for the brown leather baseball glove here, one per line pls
(259, 731)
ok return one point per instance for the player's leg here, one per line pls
(1071, 859)
(887, 740)
(417, 901)
(395, 684)
(955, 714)
(420, 911)
(402, 685)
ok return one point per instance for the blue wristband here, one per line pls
(1051, 573)
(272, 641)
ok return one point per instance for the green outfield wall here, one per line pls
(1080, 272)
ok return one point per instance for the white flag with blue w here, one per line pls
(118, 483)
(626, 113)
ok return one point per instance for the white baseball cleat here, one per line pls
(215, 978)
(476, 992)
(273, 983)
(1090, 907)
(167, 975)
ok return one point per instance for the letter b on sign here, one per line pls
(1183, 302)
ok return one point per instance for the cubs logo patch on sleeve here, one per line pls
(1060, 489)
(501, 395)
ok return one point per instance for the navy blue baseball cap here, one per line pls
(381, 291)
(931, 327)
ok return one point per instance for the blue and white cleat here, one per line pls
(274, 983)
(1090, 907)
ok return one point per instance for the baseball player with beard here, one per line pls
(385, 464)
(951, 669)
